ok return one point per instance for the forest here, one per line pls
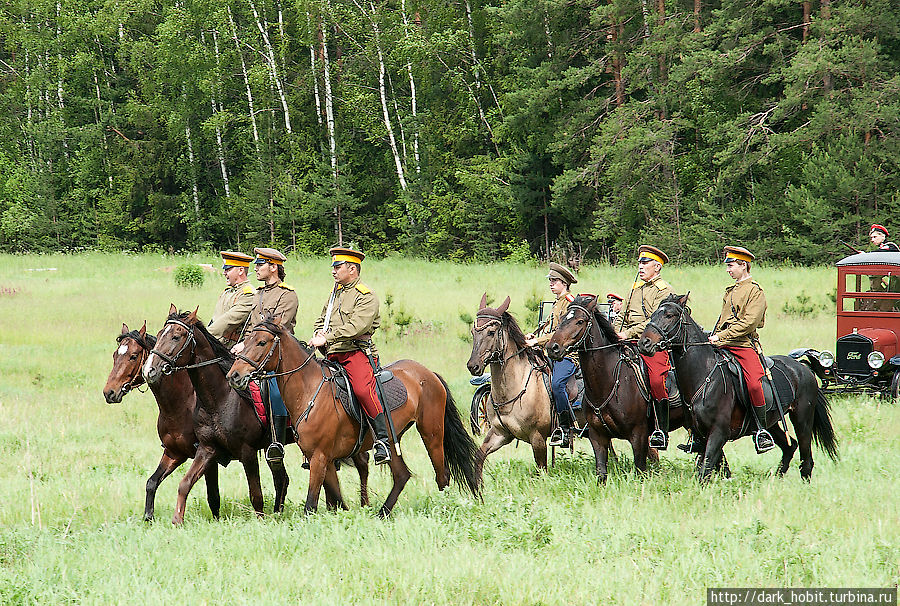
(460, 129)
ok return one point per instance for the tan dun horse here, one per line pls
(326, 432)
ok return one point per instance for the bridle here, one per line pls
(259, 367)
(171, 366)
(494, 356)
(582, 340)
(668, 340)
(138, 377)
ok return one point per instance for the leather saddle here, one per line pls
(780, 377)
(391, 390)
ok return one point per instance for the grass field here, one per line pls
(75, 467)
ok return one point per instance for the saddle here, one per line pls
(574, 387)
(776, 368)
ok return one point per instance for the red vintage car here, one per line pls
(868, 325)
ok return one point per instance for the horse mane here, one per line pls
(518, 338)
(219, 350)
(606, 328)
(147, 341)
(690, 322)
(269, 322)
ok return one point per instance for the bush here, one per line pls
(189, 275)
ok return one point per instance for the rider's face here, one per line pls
(557, 286)
(736, 269)
(649, 269)
(264, 271)
(343, 273)
(233, 275)
(877, 237)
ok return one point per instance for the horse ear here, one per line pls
(483, 302)
(277, 321)
(125, 330)
(143, 330)
(172, 309)
(503, 307)
(193, 317)
(684, 299)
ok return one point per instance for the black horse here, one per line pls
(710, 391)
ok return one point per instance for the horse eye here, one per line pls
(134, 356)
(261, 343)
(491, 333)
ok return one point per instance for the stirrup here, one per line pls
(692, 446)
(275, 452)
(558, 438)
(659, 440)
(382, 452)
(763, 441)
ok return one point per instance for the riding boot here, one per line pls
(762, 439)
(659, 439)
(562, 435)
(275, 451)
(382, 439)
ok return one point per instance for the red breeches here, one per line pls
(753, 373)
(362, 379)
(657, 369)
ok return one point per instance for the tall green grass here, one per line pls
(73, 482)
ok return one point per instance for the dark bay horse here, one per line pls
(521, 406)
(326, 432)
(176, 400)
(225, 424)
(617, 393)
(702, 373)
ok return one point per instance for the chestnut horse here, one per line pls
(613, 377)
(326, 432)
(717, 417)
(520, 403)
(176, 400)
(225, 423)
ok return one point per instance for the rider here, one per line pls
(560, 280)
(646, 295)
(615, 305)
(743, 311)
(277, 299)
(234, 304)
(877, 235)
(345, 331)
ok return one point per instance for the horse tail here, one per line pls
(823, 432)
(459, 447)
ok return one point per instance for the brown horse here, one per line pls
(225, 423)
(326, 432)
(176, 401)
(612, 377)
(520, 403)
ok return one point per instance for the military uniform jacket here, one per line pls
(641, 304)
(560, 307)
(231, 312)
(743, 311)
(354, 318)
(279, 300)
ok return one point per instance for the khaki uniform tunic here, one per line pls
(743, 311)
(231, 312)
(560, 307)
(641, 304)
(280, 300)
(354, 317)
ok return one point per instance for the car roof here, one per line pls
(871, 258)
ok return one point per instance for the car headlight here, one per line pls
(826, 359)
(875, 359)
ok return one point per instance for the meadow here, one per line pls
(71, 503)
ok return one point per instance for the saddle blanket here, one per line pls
(256, 400)
(393, 391)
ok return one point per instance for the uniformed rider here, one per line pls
(878, 235)
(560, 280)
(615, 305)
(647, 293)
(345, 330)
(233, 307)
(743, 312)
(278, 300)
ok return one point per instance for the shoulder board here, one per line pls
(248, 290)
(363, 288)
(285, 286)
(661, 284)
(570, 297)
(756, 283)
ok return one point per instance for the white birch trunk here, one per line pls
(194, 190)
(412, 90)
(312, 67)
(246, 77)
(329, 120)
(59, 82)
(220, 147)
(384, 107)
(270, 57)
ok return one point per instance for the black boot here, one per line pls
(659, 439)
(382, 439)
(275, 451)
(562, 435)
(762, 439)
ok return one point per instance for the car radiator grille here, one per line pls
(852, 352)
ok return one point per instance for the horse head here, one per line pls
(128, 358)
(174, 346)
(488, 336)
(257, 354)
(574, 327)
(666, 325)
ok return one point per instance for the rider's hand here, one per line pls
(530, 342)
(318, 340)
(238, 348)
(713, 338)
(622, 335)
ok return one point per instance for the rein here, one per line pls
(171, 364)
(259, 367)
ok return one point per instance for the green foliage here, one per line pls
(189, 275)
(802, 306)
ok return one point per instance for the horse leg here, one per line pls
(602, 446)
(333, 496)
(493, 441)
(281, 481)
(713, 454)
(167, 464)
(211, 477)
(361, 461)
(539, 448)
(640, 445)
(433, 437)
(318, 464)
(400, 475)
(788, 447)
(202, 460)
(251, 468)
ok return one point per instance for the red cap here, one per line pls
(881, 228)
(612, 295)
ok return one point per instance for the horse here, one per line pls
(225, 424)
(614, 377)
(176, 400)
(325, 431)
(520, 402)
(701, 370)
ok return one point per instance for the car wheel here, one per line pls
(478, 418)
(895, 386)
